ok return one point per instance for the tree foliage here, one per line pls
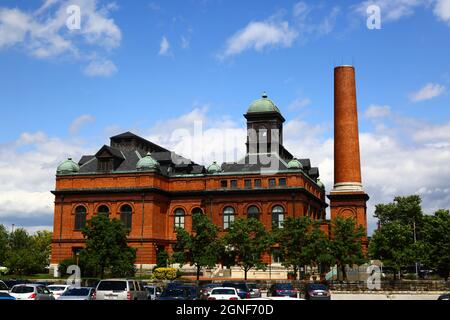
(200, 247)
(106, 248)
(246, 241)
(346, 243)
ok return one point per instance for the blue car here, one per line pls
(6, 296)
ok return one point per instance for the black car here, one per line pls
(316, 291)
(444, 296)
(242, 288)
(175, 294)
(282, 290)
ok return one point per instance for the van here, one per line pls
(119, 289)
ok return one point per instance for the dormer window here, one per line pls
(105, 165)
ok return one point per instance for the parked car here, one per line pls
(242, 288)
(179, 293)
(445, 296)
(12, 283)
(205, 290)
(255, 291)
(317, 291)
(282, 290)
(153, 292)
(83, 293)
(3, 287)
(6, 296)
(224, 293)
(279, 298)
(57, 290)
(31, 292)
(119, 289)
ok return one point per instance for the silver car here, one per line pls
(153, 292)
(120, 289)
(255, 291)
(31, 292)
(83, 293)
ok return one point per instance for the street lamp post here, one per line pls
(415, 240)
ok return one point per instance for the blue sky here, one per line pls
(143, 64)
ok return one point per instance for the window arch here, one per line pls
(278, 216)
(253, 212)
(126, 213)
(228, 217)
(80, 217)
(103, 210)
(197, 210)
(179, 218)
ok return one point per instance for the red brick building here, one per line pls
(153, 190)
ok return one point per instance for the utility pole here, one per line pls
(415, 240)
(12, 228)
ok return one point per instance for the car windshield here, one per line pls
(241, 286)
(56, 288)
(223, 291)
(317, 287)
(112, 286)
(173, 293)
(77, 292)
(22, 289)
(284, 286)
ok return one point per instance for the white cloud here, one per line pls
(43, 33)
(429, 91)
(164, 47)
(442, 10)
(79, 122)
(100, 68)
(185, 42)
(439, 135)
(377, 111)
(258, 35)
(391, 10)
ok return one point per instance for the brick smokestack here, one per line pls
(347, 166)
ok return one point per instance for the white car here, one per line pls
(278, 298)
(31, 292)
(223, 293)
(58, 289)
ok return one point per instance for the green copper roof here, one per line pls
(214, 168)
(67, 167)
(295, 164)
(147, 163)
(320, 184)
(263, 105)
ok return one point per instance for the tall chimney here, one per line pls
(347, 167)
(347, 198)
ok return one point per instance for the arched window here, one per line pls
(197, 210)
(179, 218)
(103, 210)
(228, 217)
(126, 215)
(277, 216)
(80, 217)
(253, 212)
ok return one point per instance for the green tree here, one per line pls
(292, 239)
(407, 210)
(3, 244)
(201, 247)
(435, 242)
(346, 243)
(162, 259)
(19, 257)
(107, 249)
(41, 249)
(393, 244)
(246, 241)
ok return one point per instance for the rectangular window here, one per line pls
(248, 184)
(179, 222)
(228, 220)
(234, 183)
(282, 182)
(223, 183)
(257, 183)
(272, 183)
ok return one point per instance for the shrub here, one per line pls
(165, 273)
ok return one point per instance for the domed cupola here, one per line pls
(263, 105)
(68, 167)
(214, 168)
(147, 163)
(295, 164)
